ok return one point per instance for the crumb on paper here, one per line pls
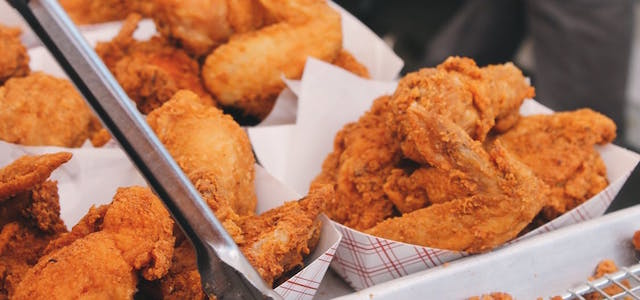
(493, 296)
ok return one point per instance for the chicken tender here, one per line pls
(507, 198)
(212, 150)
(29, 217)
(559, 148)
(134, 235)
(40, 110)
(151, 72)
(246, 72)
(14, 61)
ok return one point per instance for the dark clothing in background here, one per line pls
(581, 48)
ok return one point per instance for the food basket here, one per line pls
(294, 153)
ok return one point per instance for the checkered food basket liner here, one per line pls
(364, 260)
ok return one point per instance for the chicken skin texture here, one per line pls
(14, 61)
(212, 150)
(507, 195)
(41, 110)
(246, 72)
(559, 148)
(151, 72)
(275, 243)
(29, 216)
(133, 237)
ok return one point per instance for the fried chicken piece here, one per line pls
(346, 61)
(476, 99)
(493, 296)
(14, 61)
(559, 148)
(507, 197)
(28, 171)
(135, 235)
(212, 150)
(246, 72)
(43, 110)
(278, 240)
(365, 152)
(98, 11)
(150, 72)
(201, 26)
(29, 216)
(636, 240)
(275, 243)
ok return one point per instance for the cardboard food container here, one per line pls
(328, 98)
(92, 177)
(543, 266)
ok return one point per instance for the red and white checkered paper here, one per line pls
(364, 260)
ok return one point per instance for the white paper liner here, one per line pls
(329, 98)
(92, 177)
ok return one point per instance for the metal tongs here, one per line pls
(224, 270)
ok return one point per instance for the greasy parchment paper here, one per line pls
(93, 175)
(329, 98)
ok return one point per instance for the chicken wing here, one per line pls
(275, 242)
(246, 72)
(212, 150)
(43, 110)
(364, 154)
(14, 61)
(151, 72)
(507, 197)
(29, 216)
(559, 148)
(134, 235)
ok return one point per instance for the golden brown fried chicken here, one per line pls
(212, 150)
(559, 148)
(506, 198)
(246, 72)
(43, 110)
(98, 11)
(29, 216)
(275, 242)
(476, 99)
(348, 62)
(14, 61)
(636, 240)
(365, 152)
(199, 26)
(134, 235)
(375, 164)
(27, 171)
(151, 72)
